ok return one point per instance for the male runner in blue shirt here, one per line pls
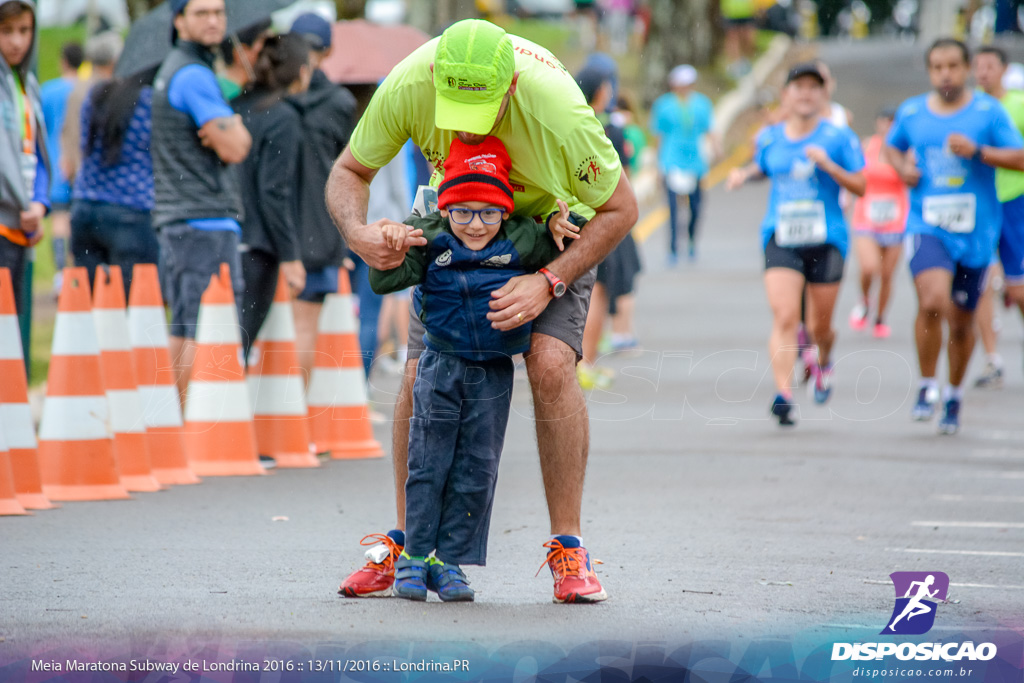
(946, 145)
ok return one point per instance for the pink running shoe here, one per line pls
(859, 317)
(882, 331)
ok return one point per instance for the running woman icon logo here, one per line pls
(917, 594)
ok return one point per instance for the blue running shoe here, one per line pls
(924, 409)
(782, 409)
(410, 578)
(822, 384)
(950, 422)
(448, 581)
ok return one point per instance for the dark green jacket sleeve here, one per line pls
(533, 241)
(414, 269)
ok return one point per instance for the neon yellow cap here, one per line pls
(473, 67)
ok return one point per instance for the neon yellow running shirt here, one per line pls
(1010, 184)
(558, 147)
(738, 9)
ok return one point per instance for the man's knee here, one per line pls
(932, 303)
(551, 367)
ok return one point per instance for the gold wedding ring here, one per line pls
(520, 316)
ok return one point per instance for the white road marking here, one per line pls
(998, 474)
(875, 582)
(988, 553)
(997, 453)
(956, 498)
(974, 525)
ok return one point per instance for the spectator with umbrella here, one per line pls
(270, 239)
(196, 139)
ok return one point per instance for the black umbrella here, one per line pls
(147, 43)
(149, 40)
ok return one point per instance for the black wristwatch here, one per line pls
(557, 287)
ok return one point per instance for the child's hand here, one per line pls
(561, 227)
(394, 235)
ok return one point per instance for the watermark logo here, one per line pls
(917, 595)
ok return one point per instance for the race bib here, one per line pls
(801, 223)
(29, 164)
(951, 212)
(681, 182)
(425, 202)
(883, 210)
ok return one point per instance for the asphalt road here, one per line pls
(709, 520)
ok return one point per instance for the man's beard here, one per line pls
(951, 93)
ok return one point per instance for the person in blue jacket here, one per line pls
(463, 388)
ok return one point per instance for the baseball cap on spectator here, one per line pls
(177, 7)
(473, 67)
(315, 29)
(682, 76)
(805, 69)
(477, 173)
(590, 81)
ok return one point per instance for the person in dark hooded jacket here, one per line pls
(270, 234)
(327, 111)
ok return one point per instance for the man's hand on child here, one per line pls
(521, 300)
(394, 235)
(561, 227)
(378, 253)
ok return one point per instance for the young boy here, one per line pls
(24, 178)
(464, 377)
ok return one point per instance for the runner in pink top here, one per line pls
(879, 219)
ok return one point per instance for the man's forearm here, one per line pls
(347, 197)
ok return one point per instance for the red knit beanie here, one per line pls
(477, 173)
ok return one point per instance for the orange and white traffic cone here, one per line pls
(76, 451)
(339, 413)
(219, 435)
(9, 504)
(161, 408)
(117, 367)
(15, 413)
(277, 389)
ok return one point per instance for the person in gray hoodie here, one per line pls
(24, 168)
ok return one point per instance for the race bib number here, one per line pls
(883, 210)
(951, 212)
(801, 223)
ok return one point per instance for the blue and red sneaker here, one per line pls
(411, 578)
(375, 578)
(449, 582)
(575, 580)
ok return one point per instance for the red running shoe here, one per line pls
(575, 580)
(375, 578)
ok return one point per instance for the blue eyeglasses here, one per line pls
(461, 216)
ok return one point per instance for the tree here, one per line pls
(680, 33)
(136, 8)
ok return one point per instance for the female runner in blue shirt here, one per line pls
(804, 233)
